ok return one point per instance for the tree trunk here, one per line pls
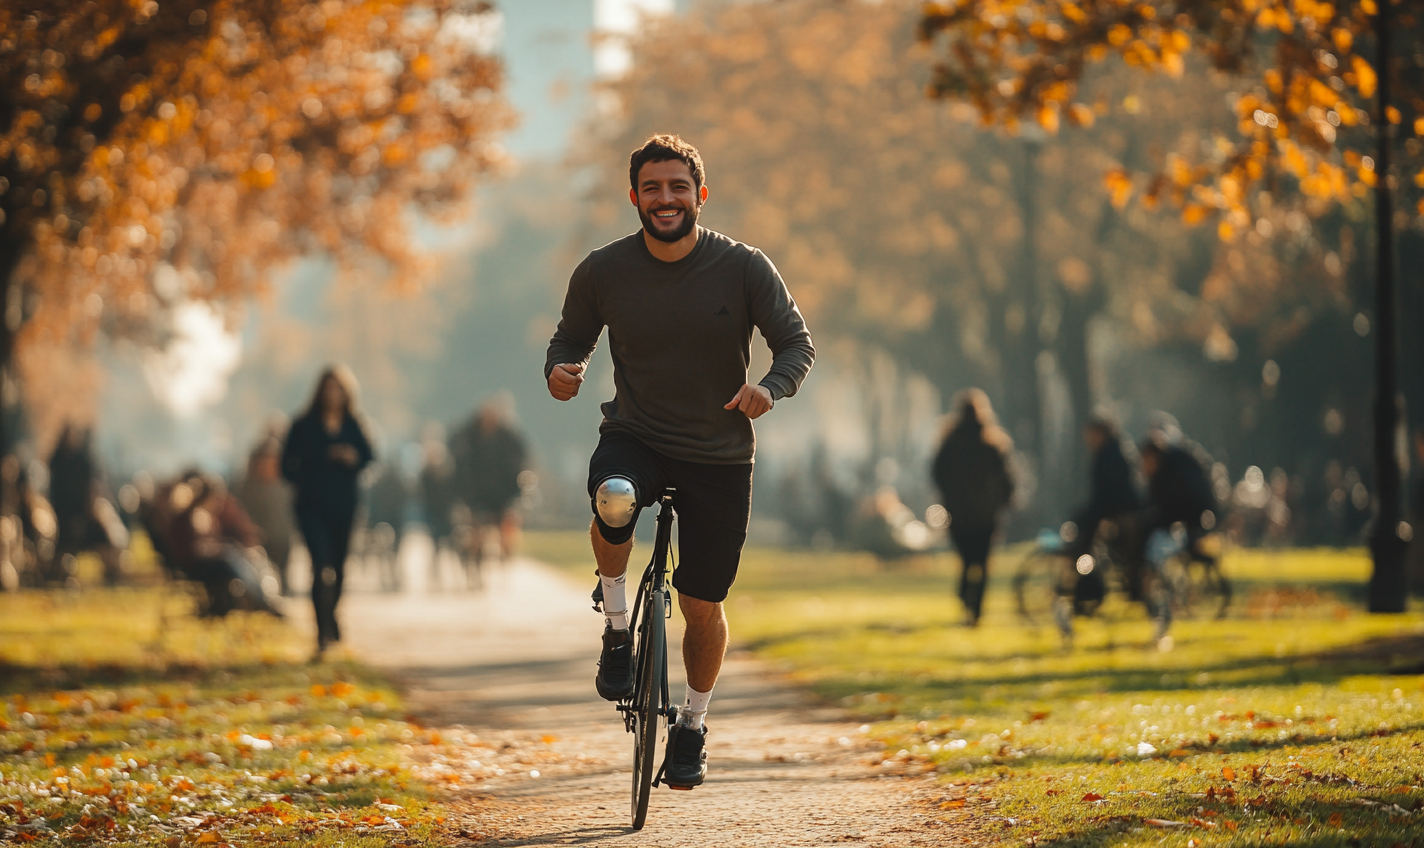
(11, 251)
(1018, 318)
(1388, 590)
(1075, 362)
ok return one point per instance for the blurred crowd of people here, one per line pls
(316, 483)
(1165, 481)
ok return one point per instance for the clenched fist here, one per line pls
(753, 401)
(564, 381)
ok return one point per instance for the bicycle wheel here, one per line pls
(1034, 588)
(1207, 590)
(647, 700)
(1043, 592)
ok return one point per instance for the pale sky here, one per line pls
(620, 17)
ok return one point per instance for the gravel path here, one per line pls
(505, 674)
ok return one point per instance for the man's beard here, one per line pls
(689, 220)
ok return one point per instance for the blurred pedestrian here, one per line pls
(325, 451)
(86, 520)
(490, 456)
(439, 499)
(268, 501)
(30, 540)
(387, 502)
(213, 541)
(971, 470)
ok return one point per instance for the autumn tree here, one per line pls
(1314, 122)
(154, 153)
(973, 258)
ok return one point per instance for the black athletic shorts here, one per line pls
(713, 502)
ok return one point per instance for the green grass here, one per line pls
(125, 721)
(567, 550)
(1283, 723)
(1286, 723)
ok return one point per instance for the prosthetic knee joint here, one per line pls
(616, 501)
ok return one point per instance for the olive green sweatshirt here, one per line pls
(680, 335)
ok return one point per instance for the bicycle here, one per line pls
(1050, 583)
(1192, 569)
(648, 712)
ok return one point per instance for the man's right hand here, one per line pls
(564, 381)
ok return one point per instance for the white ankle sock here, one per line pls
(615, 600)
(695, 710)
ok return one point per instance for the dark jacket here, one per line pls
(973, 478)
(488, 465)
(325, 487)
(1112, 490)
(1180, 490)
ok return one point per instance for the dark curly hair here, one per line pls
(664, 148)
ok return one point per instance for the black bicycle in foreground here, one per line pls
(649, 712)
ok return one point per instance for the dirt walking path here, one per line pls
(507, 674)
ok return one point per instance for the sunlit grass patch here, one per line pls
(567, 550)
(1295, 720)
(127, 722)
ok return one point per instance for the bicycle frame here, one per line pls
(654, 580)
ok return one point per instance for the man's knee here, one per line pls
(697, 612)
(615, 509)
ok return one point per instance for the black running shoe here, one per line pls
(685, 764)
(615, 667)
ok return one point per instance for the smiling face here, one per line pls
(668, 199)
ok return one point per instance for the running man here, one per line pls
(680, 302)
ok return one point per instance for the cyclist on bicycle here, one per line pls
(1181, 506)
(1112, 497)
(680, 303)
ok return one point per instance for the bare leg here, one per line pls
(508, 534)
(704, 643)
(612, 559)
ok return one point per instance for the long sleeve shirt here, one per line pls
(680, 337)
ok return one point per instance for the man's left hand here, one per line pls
(753, 401)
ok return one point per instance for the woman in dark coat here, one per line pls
(972, 473)
(325, 452)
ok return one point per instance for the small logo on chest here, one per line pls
(723, 311)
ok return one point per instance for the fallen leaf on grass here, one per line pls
(952, 804)
(1229, 773)
(1092, 797)
(1335, 820)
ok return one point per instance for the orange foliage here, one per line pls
(1312, 88)
(160, 152)
(892, 216)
